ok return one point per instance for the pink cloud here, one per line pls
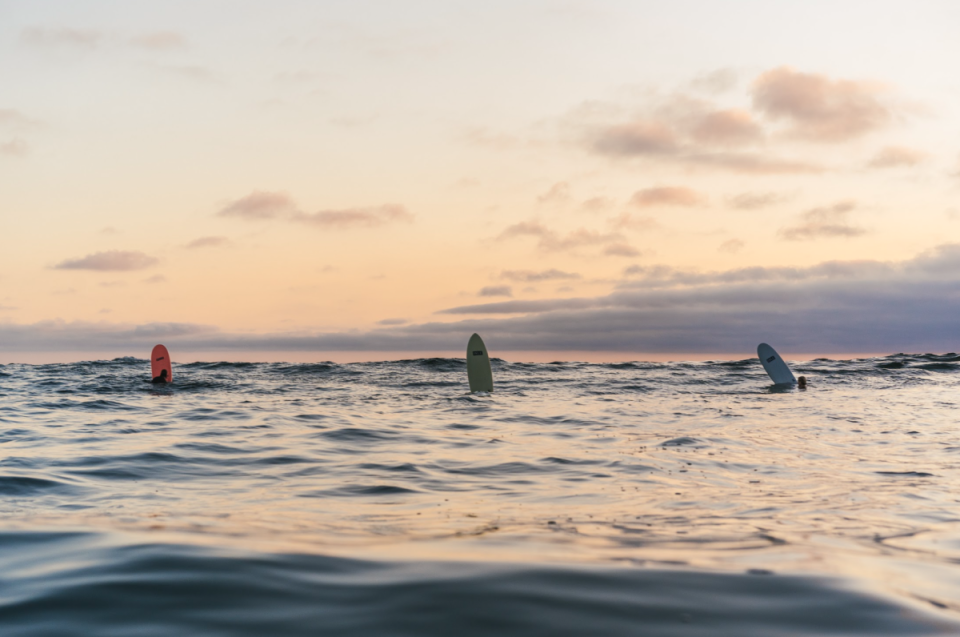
(755, 200)
(731, 127)
(112, 260)
(259, 205)
(818, 108)
(352, 217)
(642, 137)
(207, 242)
(667, 196)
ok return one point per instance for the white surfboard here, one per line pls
(478, 365)
(779, 373)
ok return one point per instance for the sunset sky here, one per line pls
(606, 176)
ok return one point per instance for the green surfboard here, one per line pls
(478, 365)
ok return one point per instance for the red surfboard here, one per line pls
(160, 360)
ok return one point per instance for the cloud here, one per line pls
(259, 205)
(112, 260)
(754, 164)
(818, 108)
(839, 306)
(558, 193)
(754, 200)
(731, 246)
(207, 242)
(393, 321)
(691, 130)
(157, 278)
(531, 276)
(552, 241)
(76, 38)
(732, 127)
(597, 204)
(642, 137)
(159, 41)
(627, 220)
(621, 250)
(496, 290)
(351, 217)
(14, 148)
(896, 156)
(825, 222)
(667, 196)
(277, 205)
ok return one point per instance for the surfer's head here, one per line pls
(801, 382)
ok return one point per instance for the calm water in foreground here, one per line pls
(383, 499)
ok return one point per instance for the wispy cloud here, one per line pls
(112, 260)
(552, 241)
(538, 276)
(259, 205)
(356, 217)
(824, 222)
(755, 200)
(558, 193)
(207, 242)
(896, 156)
(597, 204)
(393, 321)
(496, 290)
(731, 246)
(677, 196)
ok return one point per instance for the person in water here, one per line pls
(162, 378)
(801, 382)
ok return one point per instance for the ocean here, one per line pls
(382, 498)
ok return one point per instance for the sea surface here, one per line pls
(374, 499)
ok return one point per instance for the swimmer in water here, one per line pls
(161, 379)
(801, 382)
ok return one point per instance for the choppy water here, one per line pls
(383, 499)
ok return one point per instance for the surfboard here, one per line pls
(160, 359)
(779, 373)
(478, 365)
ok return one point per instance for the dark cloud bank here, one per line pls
(839, 306)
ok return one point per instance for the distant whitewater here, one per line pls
(368, 499)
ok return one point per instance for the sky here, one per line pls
(334, 180)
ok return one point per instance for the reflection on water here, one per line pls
(702, 467)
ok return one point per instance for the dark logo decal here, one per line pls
(160, 359)
(772, 358)
(478, 352)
